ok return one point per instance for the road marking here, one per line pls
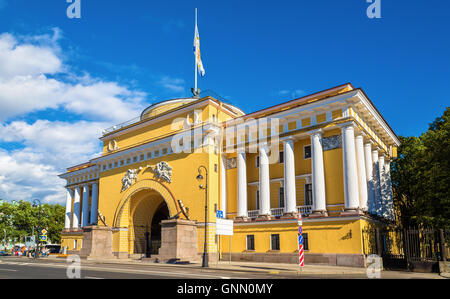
(11, 270)
(123, 270)
(91, 277)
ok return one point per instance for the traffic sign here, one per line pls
(43, 238)
(44, 231)
(224, 227)
(219, 214)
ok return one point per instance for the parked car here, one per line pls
(4, 253)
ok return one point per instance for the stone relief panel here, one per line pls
(332, 142)
(231, 163)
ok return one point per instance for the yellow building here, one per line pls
(325, 155)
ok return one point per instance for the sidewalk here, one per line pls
(276, 268)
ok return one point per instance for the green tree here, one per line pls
(20, 220)
(421, 176)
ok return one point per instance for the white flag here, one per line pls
(198, 57)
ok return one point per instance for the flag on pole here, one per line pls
(198, 57)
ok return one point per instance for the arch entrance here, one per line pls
(148, 209)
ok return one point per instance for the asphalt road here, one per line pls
(23, 268)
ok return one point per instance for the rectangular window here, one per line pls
(308, 195)
(121, 163)
(164, 151)
(305, 241)
(116, 164)
(275, 242)
(156, 154)
(142, 157)
(281, 157)
(257, 161)
(257, 199)
(307, 152)
(75, 243)
(281, 197)
(250, 242)
(134, 159)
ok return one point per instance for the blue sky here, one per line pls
(121, 56)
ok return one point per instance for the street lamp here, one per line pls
(37, 203)
(200, 178)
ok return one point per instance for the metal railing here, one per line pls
(253, 214)
(277, 211)
(203, 94)
(122, 125)
(304, 210)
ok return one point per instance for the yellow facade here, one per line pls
(149, 141)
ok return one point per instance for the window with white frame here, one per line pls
(307, 152)
(281, 197)
(308, 195)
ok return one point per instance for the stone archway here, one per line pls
(148, 209)
(150, 192)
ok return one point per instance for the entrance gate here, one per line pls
(412, 249)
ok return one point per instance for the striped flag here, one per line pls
(198, 57)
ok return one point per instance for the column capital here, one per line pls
(315, 132)
(369, 142)
(360, 133)
(348, 124)
(264, 145)
(287, 139)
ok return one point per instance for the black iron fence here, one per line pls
(414, 249)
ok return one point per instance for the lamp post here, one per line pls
(37, 203)
(200, 178)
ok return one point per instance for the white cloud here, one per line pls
(49, 147)
(26, 84)
(173, 84)
(19, 59)
(33, 78)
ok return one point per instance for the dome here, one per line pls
(164, 106)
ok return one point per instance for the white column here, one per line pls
(390, 205)
(223, 185)
(76, 208)
(94, 204)
(242, 185)
(382, 186)
(318, 174)
(376, 181)
(68, 208)
(289, 177)
(264, 181)
(85, 212)
(369, 177)
(350, 169)
(362, 179)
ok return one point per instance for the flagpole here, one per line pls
(196, 56)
